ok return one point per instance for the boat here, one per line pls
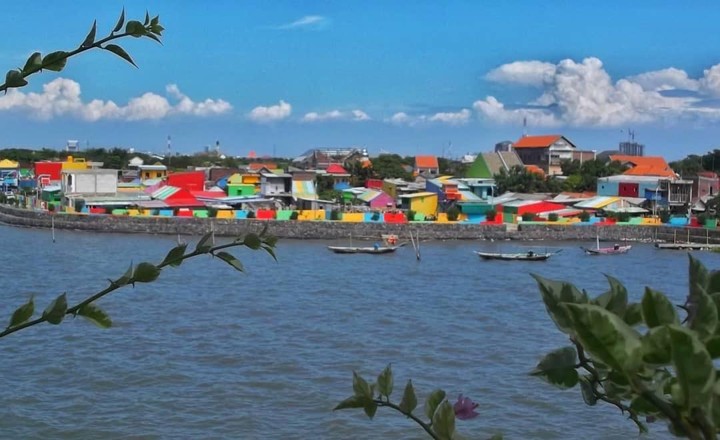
(611, 250)
(517, 256)
(390, 244)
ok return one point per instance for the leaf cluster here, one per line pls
(644, 358)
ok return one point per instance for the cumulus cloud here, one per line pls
(306, 22)
(450, 118)
(62, 97)
(583, 94)
(271, 113)
(336, 115)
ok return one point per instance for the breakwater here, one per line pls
(343, 230)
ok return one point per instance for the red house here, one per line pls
(188, 180)
(51, 170)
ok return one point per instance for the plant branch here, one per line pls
(422, 424)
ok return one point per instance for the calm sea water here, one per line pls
(207, 352)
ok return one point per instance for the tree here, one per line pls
(390, 166)
(519, 179)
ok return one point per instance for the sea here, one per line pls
(207, 352)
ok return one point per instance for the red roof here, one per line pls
(536, 141)
(259, 166)
(209, 194)
(645, 165)
(710, 174)
(334, 168)
(426, 162)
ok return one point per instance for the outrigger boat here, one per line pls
(517, 256)
(390, 244)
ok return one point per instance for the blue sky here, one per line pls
(408, 77)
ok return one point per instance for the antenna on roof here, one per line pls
(169, 155)
(524, 126)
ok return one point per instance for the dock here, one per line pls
(688, 246)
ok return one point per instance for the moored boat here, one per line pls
(615, 250)
(390, 244)
(517, 256)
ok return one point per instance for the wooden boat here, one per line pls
(611, 250)
(390, 244)
(518, 256)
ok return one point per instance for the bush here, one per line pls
(490, 215)
(664, 216)
(623, 217)
(701, 218)
(553, 217)
(375, 216)
(294, 215)
(51, 208)
(78, 205)
(453, 213)
(335, 215)
(584, 216)
(528, 217)
(212, 211)
(251, 214)
(410, 214)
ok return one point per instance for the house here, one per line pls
(372, 198)
(340, 176)
(322, 158)
(426, 166)
(545, 152)
(425, 203)
(487, 165)
(89, 182)
(9, 173)
(176, 197)
(152, 172)
(189, 180)
(304, 191)
(243, 184)
(47, 173)
(705, 184)
(275, 184)
(645, 166)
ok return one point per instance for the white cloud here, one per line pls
(450, 118)
(271, 113)
(584, 94)
(532, 73)
(62, 97)
(306, 22)
(336, 115)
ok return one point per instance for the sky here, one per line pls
(408, 77)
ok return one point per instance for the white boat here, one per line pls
(517, 256)
(390, 244)
(610, 250)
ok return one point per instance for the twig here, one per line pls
(422, 424)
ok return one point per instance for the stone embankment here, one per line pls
(343, 230)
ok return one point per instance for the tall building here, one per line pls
(632, 148)
(503, 146)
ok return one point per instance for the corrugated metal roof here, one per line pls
(597, 202)
(369, 195)
(164, 192)
(418, 194)
(519, 203)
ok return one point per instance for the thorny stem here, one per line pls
(113, 287)
(422, 424)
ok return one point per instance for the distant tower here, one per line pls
(72, 146)
(169, 150)
(503, 146)
(630, 147)
(217, 148)
(524, 126)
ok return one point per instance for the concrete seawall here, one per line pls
(343, 230)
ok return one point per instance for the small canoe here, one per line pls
(363, 249)
(615, 250)
(519, 256)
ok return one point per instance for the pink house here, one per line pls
(377, 199)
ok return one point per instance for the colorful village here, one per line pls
(645, 191)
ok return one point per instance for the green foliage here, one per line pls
(584, 216)
(96, 315)
(553, 217)
(375, 216)
(453, 213)
(438, 412)
(528, 217)
(583, 176)
(391, 166)
(410, 215)
(490, 214)
(701, 218)
(664, 216)
(251, 215)
(335, 215)
(294, 215)
(519, 179)
(666, 373)
(623, 216)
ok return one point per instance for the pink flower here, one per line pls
(465, 408)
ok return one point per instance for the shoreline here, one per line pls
(334, 230)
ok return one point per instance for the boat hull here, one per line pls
(607, 251)
(363, 250)
(525, 256)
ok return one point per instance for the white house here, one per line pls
(89, 182)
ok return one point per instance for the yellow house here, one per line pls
(150, 172)
(7, 164)
(72, 163)
(425, 203)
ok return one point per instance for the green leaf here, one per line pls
(153, 37)
(614, 300)
(361, 387)
(173, 258)
(443, 421)
(135, 29)
(409, 400)
(657, 310)
(558, 368)
(119, 51)
(270, 240)
(641, 405)
(698, 276)
(90, 39)
(205, 243)
(496, 437)
(554, 294)
(712, 345)
(120, 22)
(633, 315)
(147, 18)
(14, 78)
(252, 241)
(55, 61)
(126, 278)
(617, 386)
(270, 251)
(352, 402)
(155, 20)
(146, 273)
(96, 315)
(656, 346)
(33, 64)
(432, 402)
(156, 29)
(22, 313)
(705, 320)
(55, 312)
(713, 285)
(588, 394)
(693, 367)
(606, 336)
(370, 408)
(385, 381)
(231, 260)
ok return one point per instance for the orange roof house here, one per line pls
(545, 152)
(257, 166)
(655, 166)
(427, 165)
(334, 168)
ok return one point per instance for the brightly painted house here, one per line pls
(244, 184)
(545, 152)
(9, 173)
(47, 173)
(487, 165)
(373, 198)
(427, 166)
(425, 203)
(89, 182)
(275, 184)
(513, 211)
(340, 176)
(73, 163)
(189, 180)
(151, 172)
(175, 197)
